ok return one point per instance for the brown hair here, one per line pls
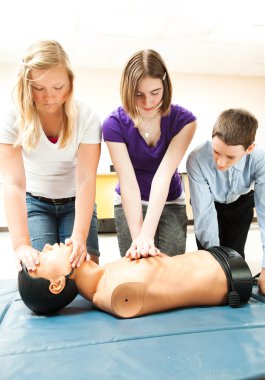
(142, 64)
(236, 127)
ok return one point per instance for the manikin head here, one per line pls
(233, 137)
(49, 288)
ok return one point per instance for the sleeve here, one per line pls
(259, 198)
(112, 129)
(9, 127)
(202, 203)
(90, 126)
(180, 118)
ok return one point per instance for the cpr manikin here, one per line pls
(130, 288)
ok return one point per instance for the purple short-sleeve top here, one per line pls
(119, 127)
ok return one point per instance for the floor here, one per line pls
(110, 252)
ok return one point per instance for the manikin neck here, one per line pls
(87, 277)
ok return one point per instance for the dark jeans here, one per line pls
(234, 221)
(170, 235)
(52, 224)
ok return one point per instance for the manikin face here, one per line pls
(49, 88)
(54, 262)
(225, 155)
(149, 96)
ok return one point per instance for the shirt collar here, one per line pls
(240, 164)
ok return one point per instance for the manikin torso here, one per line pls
(131, 288)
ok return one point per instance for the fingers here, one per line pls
(133, 248)
(28, 256)
(261, 287)
(153, 251)
(81, 259)
(29, 262)
(35, 257)
(78, 255)
(47, 247)
(18, 265)
(261, 284)
(87, 257)
(73, 256)
(68, 241)
(133, 254)
(142, 249)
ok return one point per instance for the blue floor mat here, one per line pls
(82, 342)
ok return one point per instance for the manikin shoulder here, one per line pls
(127, 299)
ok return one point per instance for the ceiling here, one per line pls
(194, 36)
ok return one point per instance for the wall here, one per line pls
(205, 95)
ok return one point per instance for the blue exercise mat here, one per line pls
(82, 342)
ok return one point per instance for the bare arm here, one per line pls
(86, 171)
(14, 185)
(130, 192)
(143, 244)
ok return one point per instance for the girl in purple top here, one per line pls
(147, 140)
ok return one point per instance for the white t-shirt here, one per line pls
(50, 170)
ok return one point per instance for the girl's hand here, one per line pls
(28, 256)
(142, 246)
(79, 251)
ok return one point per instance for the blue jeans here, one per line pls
(171, 231)
(49, 223)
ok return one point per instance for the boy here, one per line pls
(227, 180)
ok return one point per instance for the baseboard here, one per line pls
(106, 226)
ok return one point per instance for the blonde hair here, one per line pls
(142, 64)
(236, 126)
(42, 55)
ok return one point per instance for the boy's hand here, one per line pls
(261, 281)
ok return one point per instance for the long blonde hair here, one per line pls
(42, 55)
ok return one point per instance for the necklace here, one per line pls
(144, 125)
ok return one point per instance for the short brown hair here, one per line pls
(142, 64)
(236, 127)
